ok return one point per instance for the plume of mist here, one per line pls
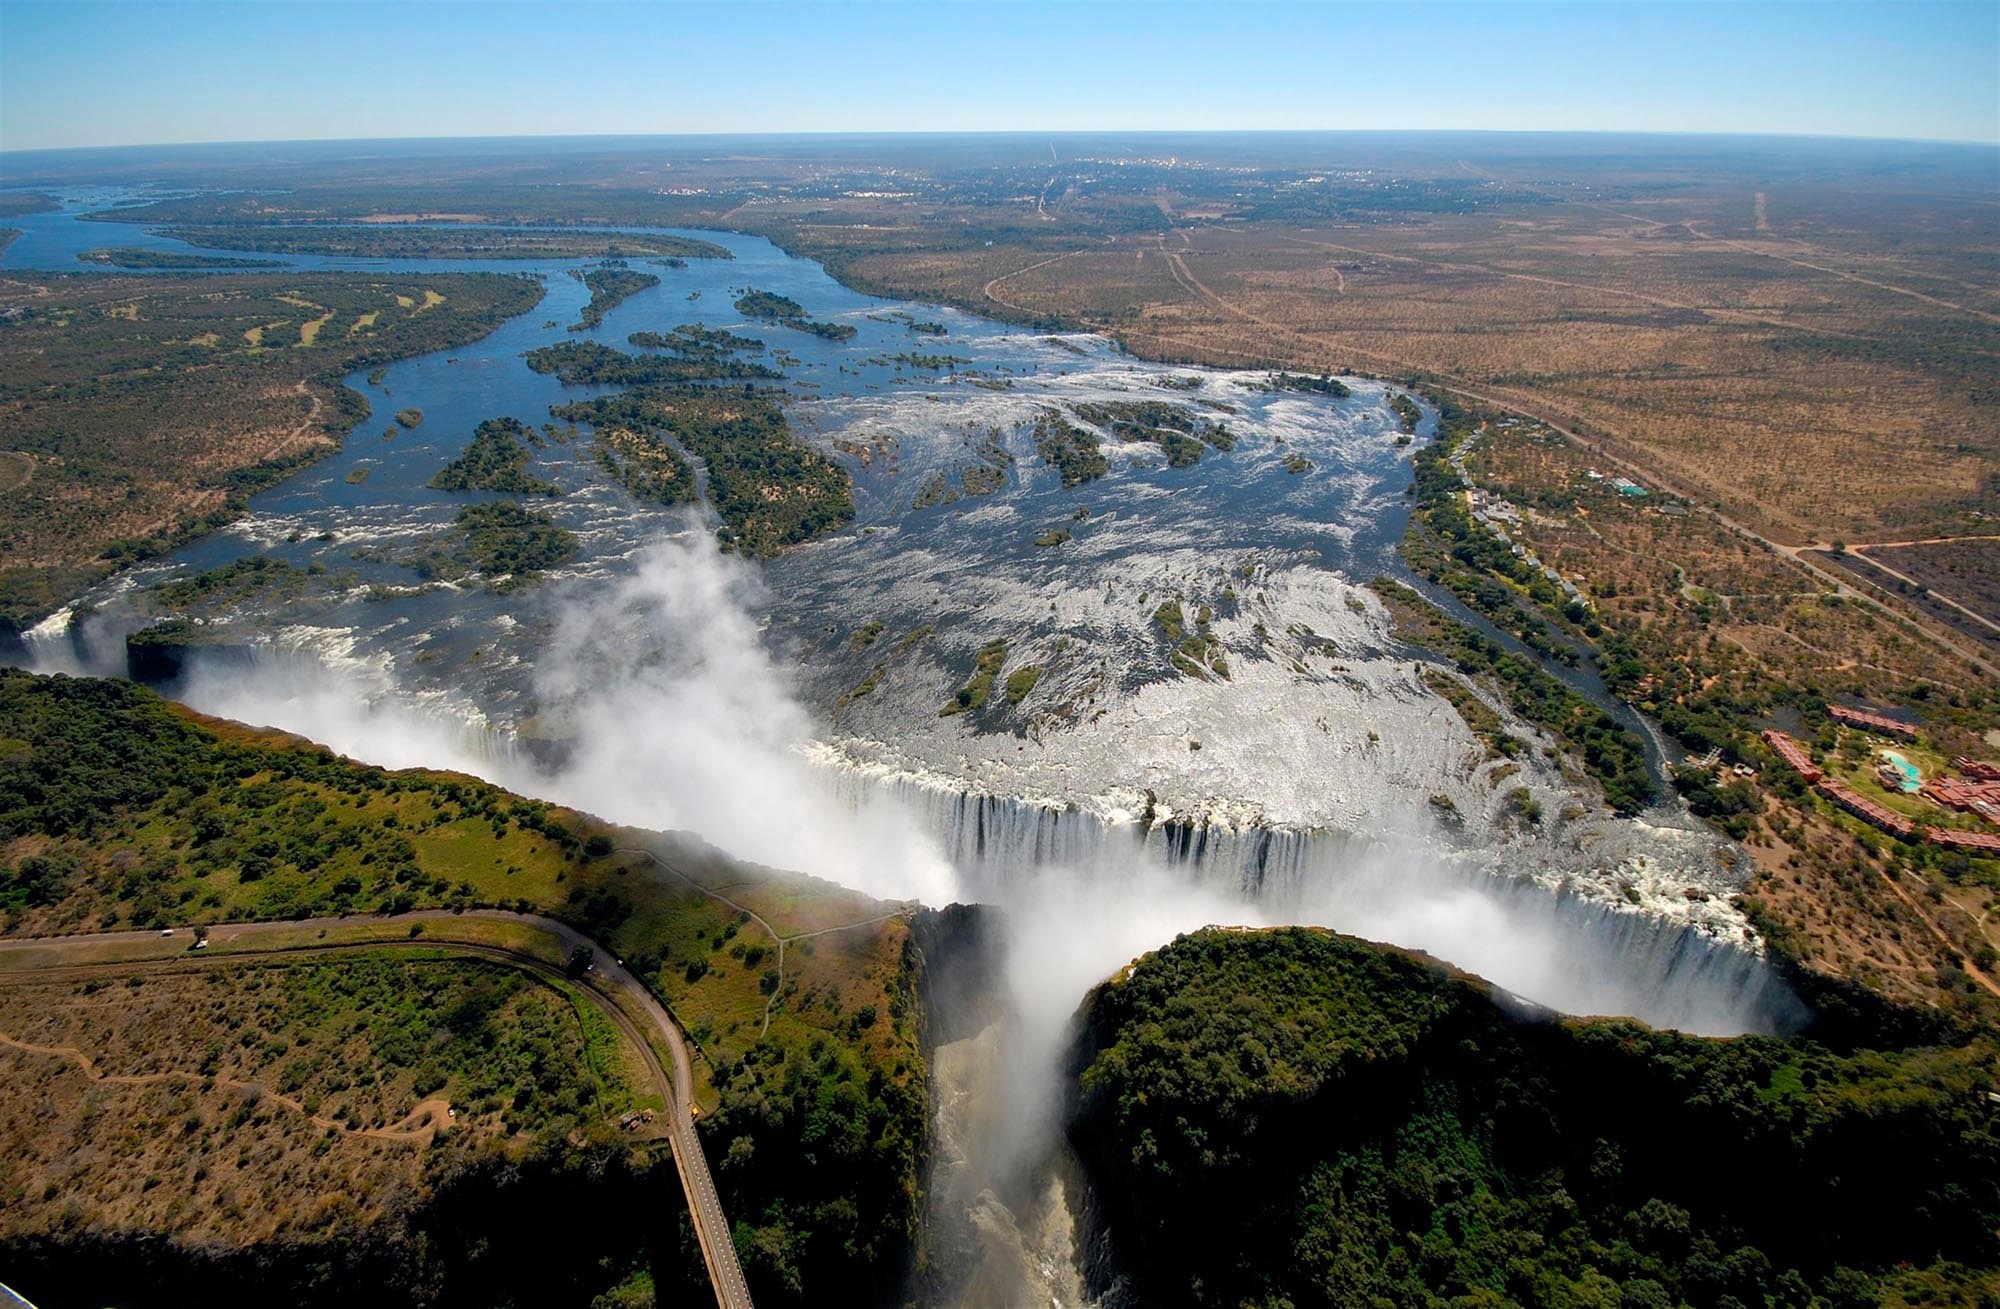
(357, 712)
(675, 714)
(1067, 929)
(680, 719)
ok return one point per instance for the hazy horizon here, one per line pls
(1006, 133)
(90, 75)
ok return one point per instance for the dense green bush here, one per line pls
(1294, 1118)
(496, 460)
(770, 490)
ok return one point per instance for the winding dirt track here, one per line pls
(987, 290)
(616, 991)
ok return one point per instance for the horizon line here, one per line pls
(891, 133)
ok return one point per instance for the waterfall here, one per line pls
(1485, 910)
(1534, 936)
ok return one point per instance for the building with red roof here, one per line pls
(1792, 753)
(1871, 722)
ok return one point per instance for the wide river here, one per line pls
(790, 711)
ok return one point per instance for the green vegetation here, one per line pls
(610, 284)
(769, 306)
(1715, 638)
(167, 260)
(1175, 428)
(388, 1111)
(985, 474)
(579, 363)
(142, 401)
(646, 465)
(912, 323)
(1290, 1117)
(937, 491)
(118, 809)
(248, 576)
(1021, 682)
(26, 202)
(1330, 386)
(409, 418)
(158, 653)
(696, 339)
(393, 241)
(1406, 410)
(1074, 451)
(1484, 723)
(1181, 451)
(1610, 751)
(784, 311)
(931, 363)
(510, 1052)
(866, 686)
(499, 540)
(1449, 546)
(1196, 653)
(1137, 420)
(227, 824)
(974, 694)
(496, 460)
(770, 491)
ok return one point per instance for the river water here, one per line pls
(790, 712)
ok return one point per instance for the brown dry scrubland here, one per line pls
(253, 1103)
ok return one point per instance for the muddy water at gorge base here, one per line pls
(1123, 799)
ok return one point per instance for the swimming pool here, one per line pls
(1912, 779)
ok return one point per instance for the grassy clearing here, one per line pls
(309, 331)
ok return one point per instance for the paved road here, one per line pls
(42, 957)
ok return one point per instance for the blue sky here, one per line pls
(83, 73)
